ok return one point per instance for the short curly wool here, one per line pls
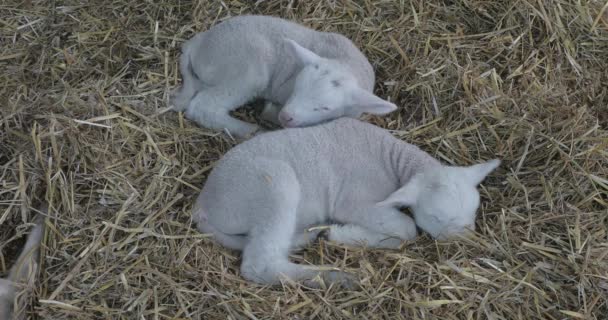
(263, 195)
(316, 76)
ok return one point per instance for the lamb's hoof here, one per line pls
(177, 103)
(270, 113)
(255, 132)
(339, 278)
(323, 234)
(344, 279)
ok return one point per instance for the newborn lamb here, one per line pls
(22, 274)
(316, 76)
(264, 193)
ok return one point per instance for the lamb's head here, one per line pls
(444, 200)
(324, 90)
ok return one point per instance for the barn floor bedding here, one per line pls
(84, 127)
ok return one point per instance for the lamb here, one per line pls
(22, 274)
(264, 194)
(306, 77)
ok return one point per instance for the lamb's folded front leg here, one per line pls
(377, 227)
(354, 235)
(211, 107)
(270, 112)
(307, 237)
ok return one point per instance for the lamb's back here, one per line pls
(245, 31)
(342, 143)
(261, 37)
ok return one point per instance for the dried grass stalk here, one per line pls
(83, 126)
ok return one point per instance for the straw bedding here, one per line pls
(84, 127)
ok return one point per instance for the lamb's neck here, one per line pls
(408, 160)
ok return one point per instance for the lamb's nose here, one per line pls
(285, 118)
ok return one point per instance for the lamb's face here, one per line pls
(446, 209)
(443, 199)
(447, 199)
(324, 90)
(321, 93)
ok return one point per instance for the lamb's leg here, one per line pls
(378, 226)
(305, 238)
(265, 258)
(211, 107)
(266, 254)
(354, 235)
(350, 234)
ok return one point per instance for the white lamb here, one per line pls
(264, 193)
(316, 76)
(22, 274)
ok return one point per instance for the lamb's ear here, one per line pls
(476, 173)
(405, 196)
(366, 102)
(303, 55)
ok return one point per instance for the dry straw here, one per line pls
(83, 86)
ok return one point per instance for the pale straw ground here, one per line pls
(83, 90)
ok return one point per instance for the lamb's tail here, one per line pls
(232, 241)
